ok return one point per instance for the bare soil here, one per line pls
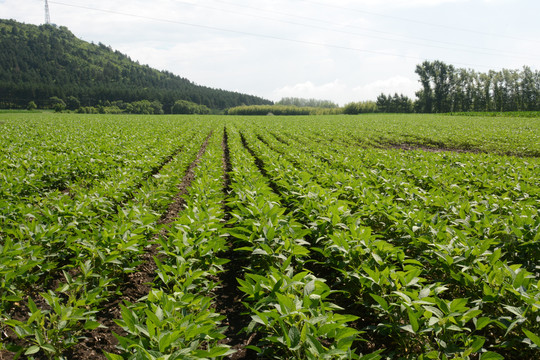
(228, 298)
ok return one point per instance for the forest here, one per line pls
(38, 63)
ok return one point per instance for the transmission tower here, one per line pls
(47, 14)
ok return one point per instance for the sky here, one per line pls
(338, 50)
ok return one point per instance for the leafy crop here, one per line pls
(370, 237)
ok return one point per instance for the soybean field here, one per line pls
(303, 237)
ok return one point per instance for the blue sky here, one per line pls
(338, 50)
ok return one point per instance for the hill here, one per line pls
(40, 62)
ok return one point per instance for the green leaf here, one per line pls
(309, 287)
(165, 342)
(478, 343)
(381, 301)
(49, 348)
(91, 325)
(250, 347)
(299, 250)
(373, 356)
(413, 318)
(32, 306)
(32, 350)
(408, 328)
(482, 322)
(294, 336)
(377, 258)
(436, 312)
(424, 293)
(490, 355)
(259, 252)
(110, 356)
(533, 337)
(220, 350)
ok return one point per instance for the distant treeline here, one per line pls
(41, 62)
(281, 110)
(145, 107)
(446, 89)
(449, 89)
(385, 103)
(309, 103)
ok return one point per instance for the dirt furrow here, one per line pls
(279, 138)
(260, 165)
(138, 283)
(228, 297)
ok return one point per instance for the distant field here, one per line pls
(322, 237)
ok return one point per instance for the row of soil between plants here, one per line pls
(227, 298)
(138, 283)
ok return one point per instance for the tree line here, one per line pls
(310, 103)
(445, 88)
(449, 89)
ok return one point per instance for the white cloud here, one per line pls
(342, 93)
(329, 91)
(396, 84)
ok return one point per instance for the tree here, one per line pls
(301, 102)
(394, 104)
(360, 107)
(31, 106)
(188, 107)
(443, 80)
(57, 104)
(530, 88)
(45, 61)
(437, 79)
(425, 95)
(445, 88)
(72, 103)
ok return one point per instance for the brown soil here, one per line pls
(410, 147)
(228, 298)
(260, 165)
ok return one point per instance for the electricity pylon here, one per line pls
(47, 14)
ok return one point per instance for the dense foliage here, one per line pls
(281, 110)
(360, 107)
(300, 102)
(394, 104)
(448, 89)
(39, 62)
(188, 107)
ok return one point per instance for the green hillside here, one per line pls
(40, 62)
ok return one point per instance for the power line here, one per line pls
(471, 48)
(420, 22)
(318, 20)
(273, 37)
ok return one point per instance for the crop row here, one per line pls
(336, 245)
(435, 282)
(63, 256)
